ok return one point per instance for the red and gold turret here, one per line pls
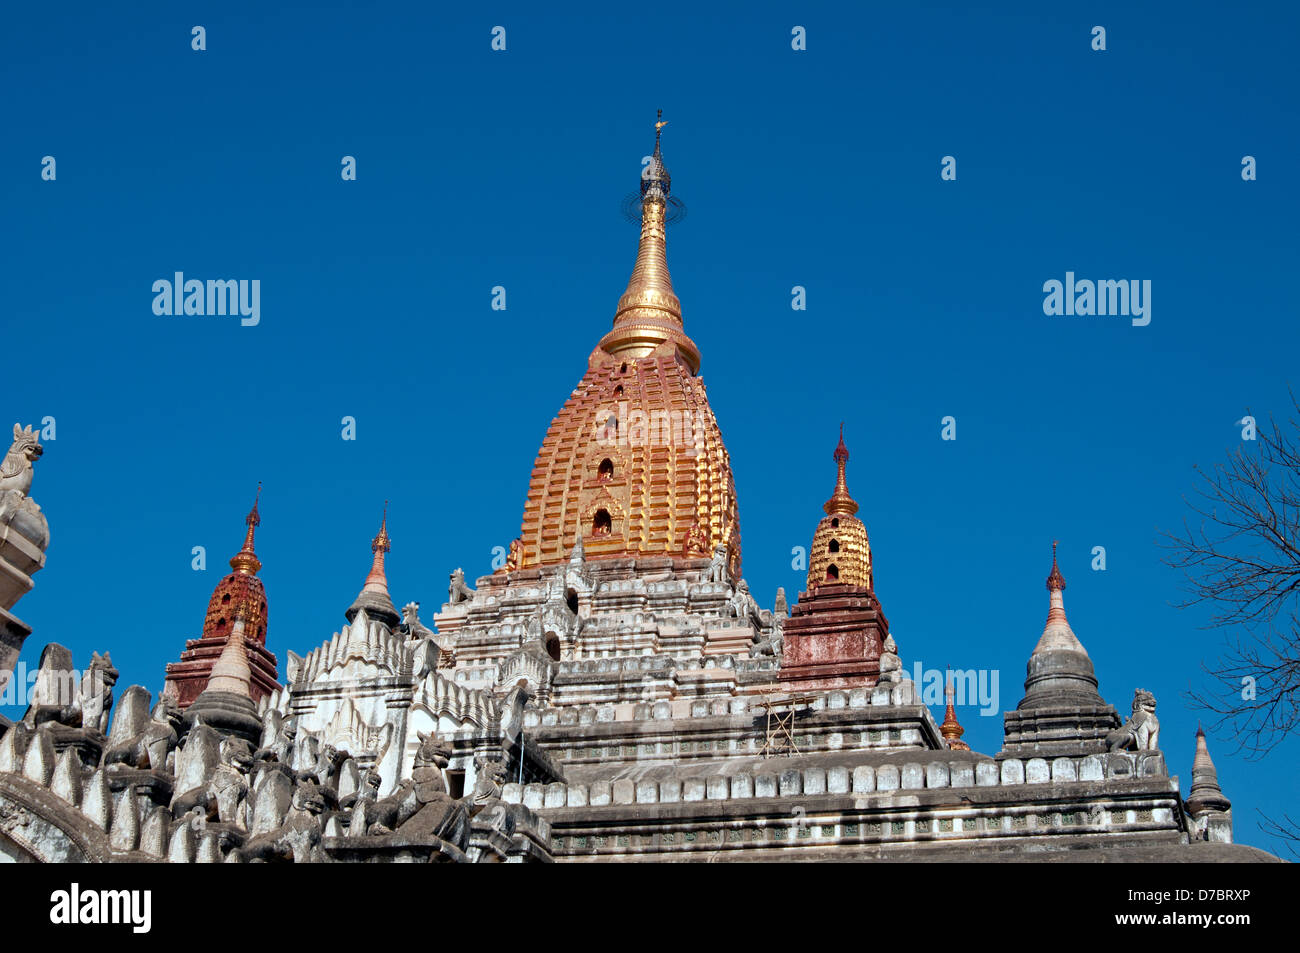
(634, 463)
(841, 551)
(238, 595)
(836, 631)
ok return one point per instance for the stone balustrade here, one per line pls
(839, 779)
(901, 693)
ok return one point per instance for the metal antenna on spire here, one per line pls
(674, 208)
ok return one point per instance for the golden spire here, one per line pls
(951, 729)
(377, 581)
(246, 560)
(649, 313)
(840, 503)
(841, 551)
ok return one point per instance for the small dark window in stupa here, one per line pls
(832, 573)
(623, 369)
(553, 646)
(618, 391)
(835, 545)
(836, 522)
(225, 598)
(571, 599)
(602, 525)
(606, 469)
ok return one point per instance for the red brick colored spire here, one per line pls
(239, 597)
(951, 729)
(377, 581)
(246, 560)
(1056, 585)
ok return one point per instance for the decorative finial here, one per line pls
(841, 503)
(377, 581)
(254, 518)
(951, 729)
(649, 313)
(246, 560)
(841, 454)
(1055, 581)
(380, 543)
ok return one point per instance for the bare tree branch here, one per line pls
(1286, 829)
(1240, 554)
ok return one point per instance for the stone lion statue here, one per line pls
(458, 590)
(1142, 730)
(16, 468)
(420, 806)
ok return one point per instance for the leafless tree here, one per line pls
(1240, 555)
(1286, 830)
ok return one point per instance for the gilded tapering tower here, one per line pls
(634, 465)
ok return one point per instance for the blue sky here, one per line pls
(818, 168)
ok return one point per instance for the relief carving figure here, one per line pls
(291, 822)
(515, 558)
(278, 734)
(421, 806)
(1141, 732)
(227, 788)
(486, 805)
(97, 693)
(140, 740)
(487, 784)
(891, 666)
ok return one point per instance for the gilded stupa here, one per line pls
(841, 551)
(634, 463)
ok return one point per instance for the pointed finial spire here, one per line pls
(246, 560)
(1205, 795)
(1056, 585)
(377, 581)
(951, 729)
(1055, 581)
(649, 314)
(374, 597)
(841, 503)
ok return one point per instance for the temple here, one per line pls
(613, 692)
